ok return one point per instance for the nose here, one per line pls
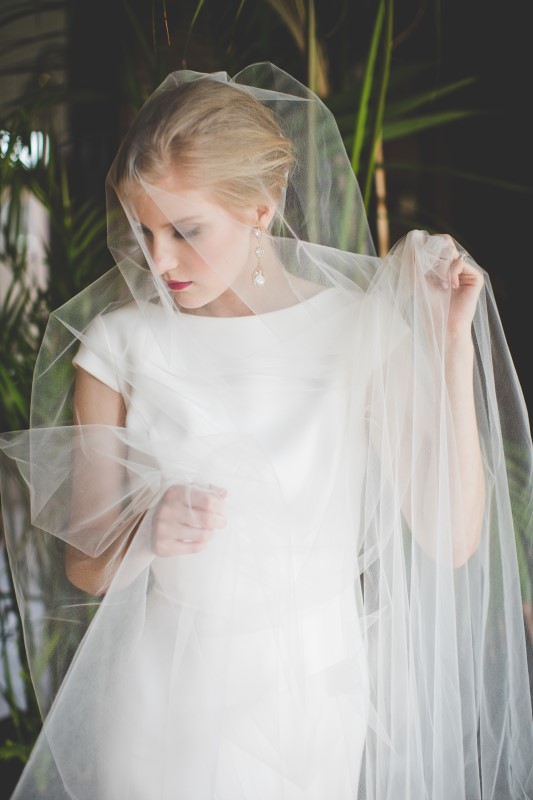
(164, 256)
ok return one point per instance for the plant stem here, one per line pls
(382, 94)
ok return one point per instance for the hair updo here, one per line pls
(215, 136)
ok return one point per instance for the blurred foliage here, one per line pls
(342, 50)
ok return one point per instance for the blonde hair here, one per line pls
(216, 136)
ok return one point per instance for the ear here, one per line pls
(265, 215)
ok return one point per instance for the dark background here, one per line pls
(456, 38)
(491, 41)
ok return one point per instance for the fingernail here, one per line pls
(217, 489)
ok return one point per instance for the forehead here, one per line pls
(169, 201)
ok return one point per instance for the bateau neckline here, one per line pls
(303, 303)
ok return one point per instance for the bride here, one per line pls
(279, 474)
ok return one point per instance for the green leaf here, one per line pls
(368, 82)
(25, 41)
(406, 74)
(381, 97)
(11, 750)
(12, 398)
(139, 32)
(416, 166)
(406, 127)
(196, 13)
(18, 10)
(400, 107)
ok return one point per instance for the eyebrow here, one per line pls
(175, 224)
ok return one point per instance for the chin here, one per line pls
(190, 303)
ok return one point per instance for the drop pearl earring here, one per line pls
(258, 278)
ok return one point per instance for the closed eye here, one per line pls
(176, 234)
(186, 234)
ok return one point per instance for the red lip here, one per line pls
(178, 286)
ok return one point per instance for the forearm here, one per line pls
(92, 575)
(430, 445)
(95, 574)
(469, 491)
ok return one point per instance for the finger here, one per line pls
(447, 272)
(199, 518)
(187, 535)
(210, 499)
(467, 274)
(178, 547)
(170, 540)
(174, 512)
(447, 251)
(440, 275)
(187, 548)
(195, 497)
(456, 270)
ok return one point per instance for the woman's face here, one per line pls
(204, 253)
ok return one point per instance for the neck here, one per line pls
(228, 304)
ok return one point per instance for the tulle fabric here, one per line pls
(332, 640)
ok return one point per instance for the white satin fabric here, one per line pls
(251, 651)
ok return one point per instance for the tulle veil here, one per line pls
(331, 615)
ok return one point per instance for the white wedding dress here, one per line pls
(316, 648)
(344, 636)
(247, 676)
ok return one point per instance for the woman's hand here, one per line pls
(186, 520)
(465, 282)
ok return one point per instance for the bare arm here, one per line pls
(95, 404)
(185, 519)
(418, 472)
(465, 283)
(419, 445)
(459, 379)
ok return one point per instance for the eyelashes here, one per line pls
(176, 234)
(186, 234)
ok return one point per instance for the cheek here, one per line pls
(238, 242)
(230, 252)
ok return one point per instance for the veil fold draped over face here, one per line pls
(341, 636)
